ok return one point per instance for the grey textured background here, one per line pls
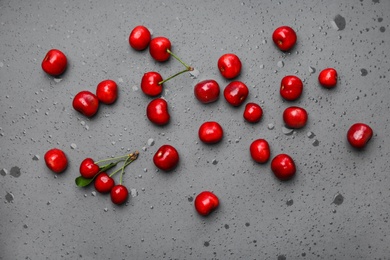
(338, 205)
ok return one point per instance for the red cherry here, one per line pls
(295, 117)
(205, 202)
(253, 112)
(56, 160)
(150, 84)
(284, 37)
(159, 47)
(166, 158)
(157, 111)
(88, 168)
(359, 134)
(107, 91)
(291, 87)
(104, 183)
(235, 93)
(229, 65)
(139, 38)
(207, 91)
(283, 167)
(119, 194)
(54, 63)
(328, 78)
(210, 132)
(260, 151)
(86, 103)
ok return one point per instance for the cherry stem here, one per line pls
(177, 74)
(130, 158)
(189, 68)
(120, 158)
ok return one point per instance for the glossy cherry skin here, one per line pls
(206, 202)
(158, 48)
(229, 65)
(166, 158)
(235, 93)
(56, 160)
(328, 78)
(54, 63)
(88, 168)
(86, 103)
(207, 91)
(295, 117)
(252, 112)
(139, 38)
(150, 84)
(210, 132)
(359, 134)
(157, 111)
(283, 167)
(107, 91)
(284, 37)
(119, 194)
(104, 183)
(260, 151)
(291, 87)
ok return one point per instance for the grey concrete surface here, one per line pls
(338, 205)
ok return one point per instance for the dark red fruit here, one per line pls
(260, 151)
(359, 134)
(283, 167)
(104, 183)
(119, 194)
(86, 103)
(291, 87)
(284, 37)
(150, 84)
(207, 91)
(54, 63)
(229, 65)
(328, 78)
(56, 160)
(159, 47)
(166, 158)
(205, 202)
(210, 132)
(235, 93)
(139, 38)
(157, 111)
(253, 112)
(88, 168)
(295, 117)
(107, 91)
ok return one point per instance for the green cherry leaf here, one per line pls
(83, 182)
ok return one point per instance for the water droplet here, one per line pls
(282, 257)
(133, 192)
(214, 161)
(194, 73)
(380, 19)
(280, 64)
(48, 203)
(363, 72)
(206, 243)
(3, 172)
(382, 29)
(315, 142)
(36, 157)
(271, 126)
(247, 224)
(261, 66)
(93, 193)
(134, 88)
(287, 131)
(226, 226)
(73, 146)
(312, 70)
(9, 197)
(15, 172)
(57, 80)
(310, 134)
(144, 149)
(120, 80)
(145, 170)
(338, 199)
(150, 141)
(289, 202)
(105, 209)
(338, 23)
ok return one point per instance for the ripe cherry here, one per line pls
(150, 84)
(260, 151)
(157, 111)
(166, 158)
(119, 194)
(210, 132)
(107, 91)
(88, 168)
(54, 63)
(283, 167)
(139, 38)
(207, 91)
(229, 65)
(328, 78)
(295, 117)
(205, 202)
(104, 183)
(291, 87)
(235, 93)
(56, 160)
(359, 134)
(284, 37)
(253, 112)
(86, 103)
(159, 48)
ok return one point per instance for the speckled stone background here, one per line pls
(337, 206)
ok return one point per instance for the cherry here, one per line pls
(229, 65)
(159, 48)
(328, 78)
(104, 183)
(207, 91)
(205, 202)
(291, 87)
(139, 38)
(157, 111)
(56, 160)
(283, 167)
(86, 103)
(253, 112)
(54, 63)
(235, 93)
(284, 37)
(107, 91)
(295, 117)
(88, 168)
(210, 132)
(119, 194)
(260, 151)
(166, 158)
(359, 134)
(150, 84)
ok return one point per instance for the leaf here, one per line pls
(83, 182)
